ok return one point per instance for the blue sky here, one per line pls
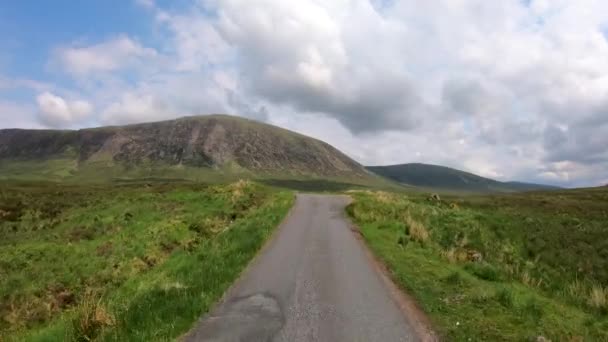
(506, 89)
(31, 29)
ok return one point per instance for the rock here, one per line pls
(541, 338)
(212, 141)
(434, 197)
(64, 299)
(474, 256)
(128, 216)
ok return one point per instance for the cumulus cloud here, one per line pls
(112, 55)
(16, 115)
(311, 57)
(509, 89)
(55, 111)
(134, 108)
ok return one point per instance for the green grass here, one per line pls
(138, 261)
(68, 170)
(497, 268)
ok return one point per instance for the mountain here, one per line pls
(212, 143)
(441, 177)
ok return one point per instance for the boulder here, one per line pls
(434, 198)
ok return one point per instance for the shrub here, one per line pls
(483, 270)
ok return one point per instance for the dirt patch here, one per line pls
(105, 249)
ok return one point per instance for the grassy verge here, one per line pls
(134, 262)
(497, 268)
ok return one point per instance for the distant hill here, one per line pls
(212, 143)
(441, 177)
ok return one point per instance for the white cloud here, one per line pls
(146, 3)
(54, 111)
(473, 84)
(15, 115)
(24, 83)
(135, 108)
(195, 41)
(112, 55)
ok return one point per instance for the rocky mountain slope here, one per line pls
(214, 142)
(445, 178)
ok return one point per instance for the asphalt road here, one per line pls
(312, 282)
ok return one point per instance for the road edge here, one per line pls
(413, 313)
(269, 241)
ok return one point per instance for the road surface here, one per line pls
(312, 282)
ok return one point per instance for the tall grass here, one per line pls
(90, 318)
(416, 230)
(509, 267)
(138, 261)
(598, 298)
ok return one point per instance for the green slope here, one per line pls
(445, 178)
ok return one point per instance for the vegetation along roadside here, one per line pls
(135, 262)
(497, 268)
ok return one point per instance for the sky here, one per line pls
(511, 89)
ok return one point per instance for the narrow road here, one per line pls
(313, 282)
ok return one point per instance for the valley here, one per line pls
(136, 233)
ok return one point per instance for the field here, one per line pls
(497, 268)
(81, 262)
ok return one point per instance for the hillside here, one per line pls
(201, 143)
(441, 177)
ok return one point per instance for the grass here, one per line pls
(497, 268)
(134, 261)
(66, 169)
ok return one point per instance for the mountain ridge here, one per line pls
(210, 141)
(447, 178)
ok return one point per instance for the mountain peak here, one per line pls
(212, 141)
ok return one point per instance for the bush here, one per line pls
(483, 271)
